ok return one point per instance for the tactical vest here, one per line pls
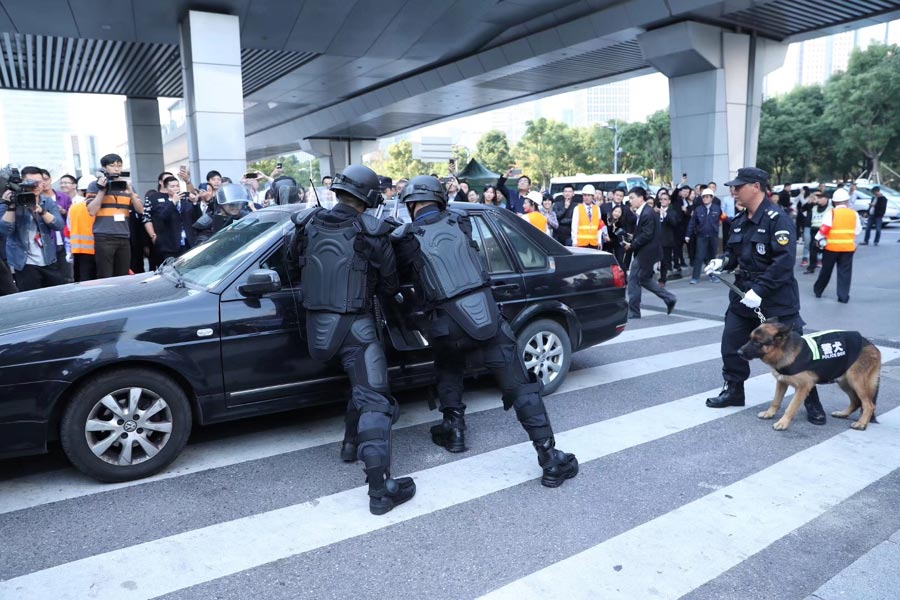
(827, 353)
(334, 267)
(447, 265)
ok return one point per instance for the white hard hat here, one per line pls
(840, 195)
(85, 181)
(588, 189)
(534, 196)
(707, 192)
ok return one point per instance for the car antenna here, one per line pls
(315, 193)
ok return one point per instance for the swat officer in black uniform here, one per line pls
(346, 257)
(761, 251)
(438, 253)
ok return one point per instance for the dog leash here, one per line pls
(739, 292)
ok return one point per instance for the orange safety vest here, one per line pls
(588, 229)
(842, 235)
(537, 219)
(81, 229)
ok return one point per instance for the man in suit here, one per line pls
(646, 251)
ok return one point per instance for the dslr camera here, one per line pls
(11, 179)
(114, 183)
(623, 236)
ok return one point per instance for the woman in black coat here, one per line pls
(614, 245)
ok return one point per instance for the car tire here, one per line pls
(546, 349)
(97, 426)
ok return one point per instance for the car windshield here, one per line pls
(210, 263)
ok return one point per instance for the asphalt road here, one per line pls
(673, 499)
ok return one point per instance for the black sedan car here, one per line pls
(119, 370)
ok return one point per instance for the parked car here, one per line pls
(864, 196)
(119, 370)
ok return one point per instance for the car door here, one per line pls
(537, 275)
(506, 280)
(264, 350)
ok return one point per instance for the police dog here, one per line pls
(842, 357)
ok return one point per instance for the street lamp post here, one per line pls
(615, 129)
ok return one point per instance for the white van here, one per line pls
(604, 182)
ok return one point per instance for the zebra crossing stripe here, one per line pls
(695, 543)
(200, 555)
(44, 488)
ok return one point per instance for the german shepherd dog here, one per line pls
(780, 347)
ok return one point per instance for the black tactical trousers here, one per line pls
(736, 333)
(521, 390)
(371, 410)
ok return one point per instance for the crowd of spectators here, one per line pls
(97, 227)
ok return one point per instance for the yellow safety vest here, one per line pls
(588, 229)
(842, 235)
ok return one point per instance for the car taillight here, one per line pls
(618, 276)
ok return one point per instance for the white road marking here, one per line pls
(200, 555)
(693, 544)
(634, 335)
(44, 488)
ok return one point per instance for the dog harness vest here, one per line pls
(827, 353)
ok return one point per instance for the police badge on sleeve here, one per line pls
(783, 237)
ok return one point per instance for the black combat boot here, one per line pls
(732, 394)
(385, 493)
(451, 432)
(815, 414)
(348, 451)
(558, 466)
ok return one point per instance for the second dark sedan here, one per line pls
(119, 370)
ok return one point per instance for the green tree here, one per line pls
(861, 103)
(492, 151)
(292, 166)
(462, 156)
(549, 148)
(647, 147)
(399, 162)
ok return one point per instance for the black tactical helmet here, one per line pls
(361, 183)
(424, 188)
(232, 193)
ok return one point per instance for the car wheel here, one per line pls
(125, 425)
(547, 351)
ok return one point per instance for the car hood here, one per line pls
(26, 310)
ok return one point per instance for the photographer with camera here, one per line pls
(29, 222)
(164, 221)
(110, 200)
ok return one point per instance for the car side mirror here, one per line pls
(260, 281)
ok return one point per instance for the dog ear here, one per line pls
(783, 329)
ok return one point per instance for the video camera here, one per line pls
(114, 183)
(11, 179)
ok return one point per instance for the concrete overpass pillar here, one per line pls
(334, 155)
(715, 95)
(213, 94)
(145, 145)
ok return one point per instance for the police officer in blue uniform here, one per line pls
(437, 252)
(761, 251)
(345, 258)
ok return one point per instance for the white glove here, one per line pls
(751, 299)
(714, 266)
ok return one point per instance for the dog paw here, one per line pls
(781, 425)
(839, 414)
(766, 414)
(858, 425)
